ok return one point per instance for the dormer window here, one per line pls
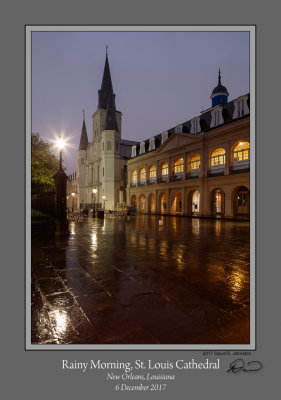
(216, 117)
(134, 151)
(142, 148)
(164, 136)
(151, 144)
(240, 104)
(178, 129)
(195, 126)
(241, 107)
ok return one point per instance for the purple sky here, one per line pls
(160, 79)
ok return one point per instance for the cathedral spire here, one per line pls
(106, 85)
(219, 79)
(84, 137)
(111, 120)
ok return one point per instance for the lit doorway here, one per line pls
(196, 202)
(176, 203)
(142, 203)
(151, 203)
(242, 201)
(218, 202)
(163, 203)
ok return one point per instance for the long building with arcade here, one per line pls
(200, 167)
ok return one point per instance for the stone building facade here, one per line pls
(102, 161)
(200, 167)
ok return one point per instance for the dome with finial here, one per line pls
(219, 94)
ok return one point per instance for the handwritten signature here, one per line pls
(239, 365)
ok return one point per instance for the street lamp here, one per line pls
(73, 195)
(60, 184)
(94, 194)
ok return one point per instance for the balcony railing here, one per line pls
(151, 181)
(193, 174)
(176, 177)
(133, 184)
(163, 179)
(141, 183)
(239, 167)
(216, 170)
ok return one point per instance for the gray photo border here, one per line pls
(252, 31)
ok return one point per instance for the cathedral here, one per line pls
(200, 167)
(102, 161)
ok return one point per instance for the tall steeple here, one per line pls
(106, 86)
(84, 137)
(111, 120)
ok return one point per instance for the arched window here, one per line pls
(178, 166)
(142, 176)
(134, 178)
(152, 173)
(82, 161)
(241, 152)
(165, 169)
(109, 147)
(193, 167)
(217, 158)
(178, 169)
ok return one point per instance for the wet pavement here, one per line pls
(135, 281)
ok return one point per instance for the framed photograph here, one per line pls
(140, 188)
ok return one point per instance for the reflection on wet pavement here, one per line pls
(136, 281)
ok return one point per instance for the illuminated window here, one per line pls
(241, 152)
(178, 169)
(152, 173)
(142, 175)
(195, 162)
(164, 169)
(218, 158)
(134, 177)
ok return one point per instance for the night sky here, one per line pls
(160, 79)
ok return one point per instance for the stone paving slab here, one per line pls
(133, 282)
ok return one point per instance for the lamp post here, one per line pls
(60, 185)
(72, 195)
(94, 195)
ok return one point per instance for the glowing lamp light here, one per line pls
(72, 194)
(103, 197)
(60, 143)
(94, 191)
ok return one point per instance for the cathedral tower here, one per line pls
(82, 164)
(100, 175)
